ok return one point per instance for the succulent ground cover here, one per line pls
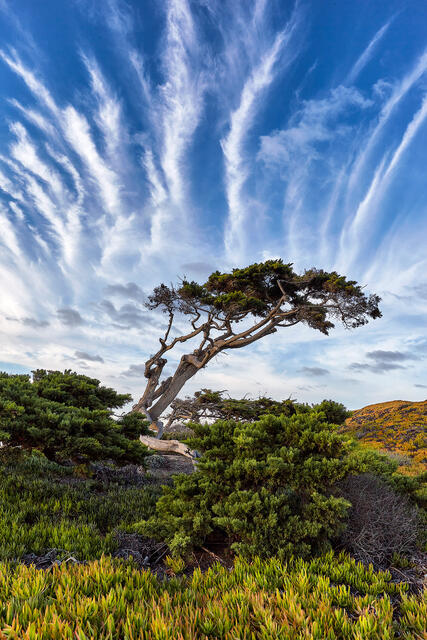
(328, 597)
(46, 506)
(398, 427)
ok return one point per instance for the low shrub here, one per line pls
(329, 597)
(261, 487)
(334, 412)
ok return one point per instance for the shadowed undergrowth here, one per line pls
(44, 505)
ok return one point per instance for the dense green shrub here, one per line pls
(262, 486)
(208, 405)
(44, 506)
(329, 597)
(68, 417)
(335, 412)
(76, 390)
(214, 405)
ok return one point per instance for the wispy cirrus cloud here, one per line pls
(183, 137)
(367, 54)
(237, 165)
(351, 237)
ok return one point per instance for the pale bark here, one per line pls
(184, 372)
(158, 395)
(168, 446)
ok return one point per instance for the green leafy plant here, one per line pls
(68, 416)
(208, 405)
(262, 487)
(175, 565)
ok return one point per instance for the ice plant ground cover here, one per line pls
(328, 597)
(74, 562)
(46, 506)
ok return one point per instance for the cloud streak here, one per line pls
(237, 168)
(367, 54)
(186, 137)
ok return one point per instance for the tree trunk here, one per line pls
(184, 372)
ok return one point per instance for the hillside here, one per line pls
(398, 428)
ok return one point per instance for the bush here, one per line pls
(76, 390)
(380, 464)
(262, 487)
(335, 412)
(381, 522)
(68, 417)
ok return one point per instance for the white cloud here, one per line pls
(351, 236)
(38, 89)
(397, 95)
(367, 54)
(259, 79)
(78, 134)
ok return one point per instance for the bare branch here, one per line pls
(163, 340)
(270, 293)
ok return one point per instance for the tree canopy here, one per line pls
(207, 406)
(235, 309)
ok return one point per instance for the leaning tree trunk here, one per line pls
(184, 372)
(182, 375)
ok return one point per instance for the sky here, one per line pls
(142, 141)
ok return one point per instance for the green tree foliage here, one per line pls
(233, 310)
(68, 417)
(214, 405)
(208, 405)
(261, 486)
(77, 390)
(335, 412)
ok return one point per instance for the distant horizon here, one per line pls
(142, 142)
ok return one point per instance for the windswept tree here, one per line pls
(233, 310)
(207, 406)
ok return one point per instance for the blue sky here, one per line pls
(145, 140)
